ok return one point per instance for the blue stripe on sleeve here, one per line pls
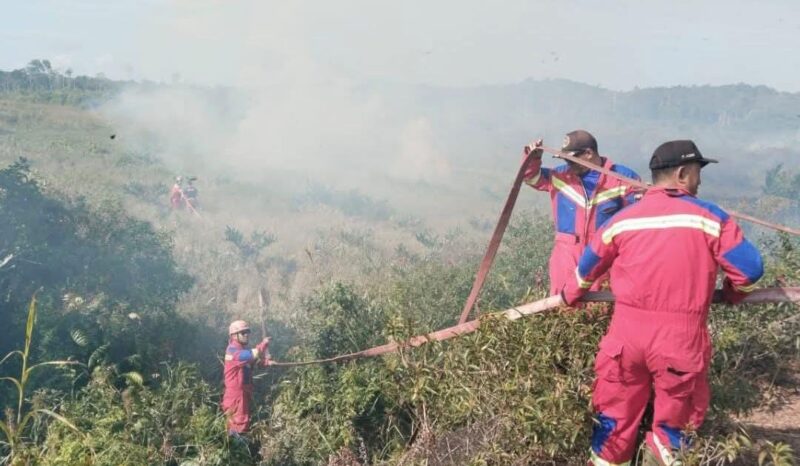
(625, 171)
(746, 258)
(245, 355)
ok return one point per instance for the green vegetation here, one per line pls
(15, 427)
(40, 82)
(137, 299)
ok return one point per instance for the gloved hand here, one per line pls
(266, 360)
(570, 295)
(262, 347)
(730, 294)
(536, 148)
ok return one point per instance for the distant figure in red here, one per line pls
(238, 373)
(176, 194)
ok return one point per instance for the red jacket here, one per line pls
(580, 206)
(238, 371)
(664, 253)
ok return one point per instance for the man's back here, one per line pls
(666, 250)
(663, 253)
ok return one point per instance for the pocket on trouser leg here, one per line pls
(678, 377)
(609, 374)
(677, 381)
(608, 363)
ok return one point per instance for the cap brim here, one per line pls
(706, 161)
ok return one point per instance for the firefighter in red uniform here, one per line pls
(664, 253)
(240, 361)
(582, 200)
(176, 194)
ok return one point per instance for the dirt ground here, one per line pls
(779, 422)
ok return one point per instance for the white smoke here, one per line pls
(288, 111)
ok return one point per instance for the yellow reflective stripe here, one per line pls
(597, 461)
(661, 222)
(569, 192)
(665, 453)
(581, 282)
(228, 357)
(746, 288)
(255, 353)
(534, 179)
(609, 194)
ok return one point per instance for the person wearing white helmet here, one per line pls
(176, 194)
(240, 361)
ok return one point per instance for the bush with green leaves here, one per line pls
(98, 271)
(173, 419)
(513, 392)
(21, 426)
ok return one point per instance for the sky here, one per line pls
(615, 44)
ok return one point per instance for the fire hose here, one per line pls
(760, 296)
(505, 215)
(189, 203)
(638, 184)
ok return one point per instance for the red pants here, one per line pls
(648, 352)
(237, 407)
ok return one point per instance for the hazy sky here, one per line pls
(616, 44)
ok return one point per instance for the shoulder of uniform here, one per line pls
(231, 349)
(708, 206)
(624, 171)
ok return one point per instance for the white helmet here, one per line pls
(238, 326)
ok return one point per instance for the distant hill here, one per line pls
(476, 130)
(750, 128)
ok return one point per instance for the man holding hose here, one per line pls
(240, 361)
(582, 200)
(663, 253)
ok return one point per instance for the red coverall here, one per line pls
(238, 375)
(664, 253)
(580, 206)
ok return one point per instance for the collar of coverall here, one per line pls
(672, 192)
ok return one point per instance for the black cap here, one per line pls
(676, 153)
(578, 142)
